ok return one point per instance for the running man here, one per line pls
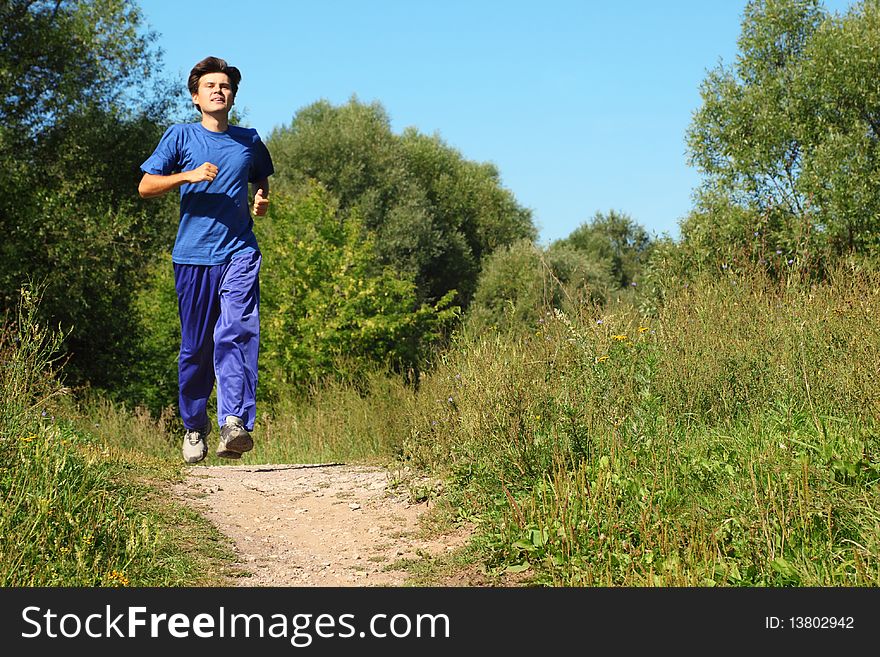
(216, 258)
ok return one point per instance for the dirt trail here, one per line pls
(314, 525)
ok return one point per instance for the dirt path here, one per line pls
(314, 525)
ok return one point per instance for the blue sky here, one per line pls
(582, 105)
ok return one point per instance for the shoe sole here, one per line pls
(236, 446)
(240, 443)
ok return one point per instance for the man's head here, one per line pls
(211, 79)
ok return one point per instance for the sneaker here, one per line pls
(235, 440)
(195, 444)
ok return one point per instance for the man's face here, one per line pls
(215, 93)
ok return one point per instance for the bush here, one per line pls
(520, 283)
(328, 308)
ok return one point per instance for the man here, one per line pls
(216, 258)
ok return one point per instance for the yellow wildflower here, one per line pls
(601, 359)
(115, 578)
(619, 337)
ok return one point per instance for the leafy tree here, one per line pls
(435, 215)
(520, 282)
(473, 213)
(837, 96)
(329, 309)
(58, 56)
(349, 149)
(787, 140)
(613, 238)
(71, 140)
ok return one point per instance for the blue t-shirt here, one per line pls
(215, 218)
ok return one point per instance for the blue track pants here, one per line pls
(219, 308)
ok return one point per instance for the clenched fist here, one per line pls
(206, 172)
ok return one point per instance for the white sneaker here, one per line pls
(235, 440)
(195, 444)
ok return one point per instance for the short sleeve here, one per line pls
(166, 158)
(261, 165)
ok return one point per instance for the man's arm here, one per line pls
(155, 185)
(261, 197)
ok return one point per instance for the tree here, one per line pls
(787, 140)
(435, 215)
(616, 240)
(330, 309)
(60, 55)
(71, 140)
(520, 282)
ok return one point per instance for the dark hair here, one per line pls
(212, 65)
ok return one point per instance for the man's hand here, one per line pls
(261, 203)
(153, 184)
(206, 172)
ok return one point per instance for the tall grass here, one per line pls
(28, 366)
(78, 511)
(337, 421)
(733, 439)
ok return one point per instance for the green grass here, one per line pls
(335, 423)
(78, 510)
(731, 439)
(77, 513)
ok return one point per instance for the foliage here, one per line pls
(616, 239)
(465, 200)
(328, 308)
(731, 440)
(69, 167)
(86, 53)
(521, 282)
(787, 139)
(87, 233)
(153, 374)
(435, 215)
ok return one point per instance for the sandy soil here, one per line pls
(315, 525)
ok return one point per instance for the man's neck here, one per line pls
(215, 122)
